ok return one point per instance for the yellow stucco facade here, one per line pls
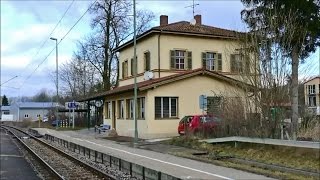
(312, 92)
(182, 94)
(167, 42)
(187, 91)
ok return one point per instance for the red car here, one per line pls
(196, 123)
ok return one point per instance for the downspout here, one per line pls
(159, 54)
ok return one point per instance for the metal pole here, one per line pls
(55, 39)
(135, 75)
(57, 105)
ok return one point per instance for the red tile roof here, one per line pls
(144, 85)
(185, 28)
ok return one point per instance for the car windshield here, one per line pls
(185, 119)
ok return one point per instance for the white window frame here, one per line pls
(26, 115)
(130, 115)
(312, 89)
(179, 59)
(312, 103)
(142, 106)
(210, 61)
(121, 109)
(109, 110)
(170, 115)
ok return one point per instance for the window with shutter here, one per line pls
(125, 67)
(189, 60)
(236, 63)
(122, 64)
(172, 59)
(219, 62)
(209, 61)
(180, 59)
(147, 61)
(204, 60)
(131, 66)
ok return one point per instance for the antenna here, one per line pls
(193, 6)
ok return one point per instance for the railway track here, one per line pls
(58, 163)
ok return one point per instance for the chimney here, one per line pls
(198, 19)
(163, 20)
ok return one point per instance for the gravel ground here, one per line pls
(66, 167)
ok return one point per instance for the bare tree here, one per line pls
(78, 76)
(112, 22)
(294, 26)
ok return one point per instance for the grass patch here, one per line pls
(300, 158)
(266, 172)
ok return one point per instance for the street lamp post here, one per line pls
(57, 85)
(135, 76)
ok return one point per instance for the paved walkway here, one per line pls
(169, 164)
(12, 163)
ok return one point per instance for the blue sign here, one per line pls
(203, 101)
(72, 105)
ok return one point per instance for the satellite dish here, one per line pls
(193, 22)
(148, 75)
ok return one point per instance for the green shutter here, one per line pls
(172, 59)
(148, 61)
(189, 60)
(122, 70)
(131, 66)
(204, 60)
(247, 64)
(219, 62)
(232, 63)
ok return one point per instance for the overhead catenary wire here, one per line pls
(30, 75)
(46, 40)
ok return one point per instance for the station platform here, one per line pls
(178, 167)
(13, 165)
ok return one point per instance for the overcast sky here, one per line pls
(26, 25)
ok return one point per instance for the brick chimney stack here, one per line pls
(198, 19)
(163, 20)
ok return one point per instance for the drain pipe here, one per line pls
(159, 53)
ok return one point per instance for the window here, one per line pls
(130, 108)
(212, 61)
(26, 115)
(166, 107)
(236, 63)
(121, 109)
(214, 105)
(312, 100)
(132, 65)
(141, 108)
(147, 61)
(125, 69)
(38, 115)
(6, 112)
(108, 110)
(312, 89)
(181, 59)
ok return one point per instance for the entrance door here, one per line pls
(114, 114)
